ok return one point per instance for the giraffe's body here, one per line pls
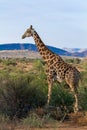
(56, 67)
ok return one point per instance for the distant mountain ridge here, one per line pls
(73, 50)
(32, 47)
(78, 52)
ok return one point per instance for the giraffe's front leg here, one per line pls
(50, 76)
(50, 83)
(76, 108)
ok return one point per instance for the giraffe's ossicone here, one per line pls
(56, 69)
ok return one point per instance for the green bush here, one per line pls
(73, 60)
(19, 95)
(84, 79)
(83, 98)
(9, 62)
(33, 120)
(62, 98)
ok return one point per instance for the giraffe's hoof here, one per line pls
(76, 110)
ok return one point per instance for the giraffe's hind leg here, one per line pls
(73, 81)
(76, 104)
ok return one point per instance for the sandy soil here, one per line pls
(55, 126)
(64, 127)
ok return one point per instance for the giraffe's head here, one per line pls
(29, 32)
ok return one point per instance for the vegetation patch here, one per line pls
(23, 93)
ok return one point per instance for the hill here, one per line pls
(31, 47)
(76, 52)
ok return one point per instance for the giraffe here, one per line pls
(57, 68)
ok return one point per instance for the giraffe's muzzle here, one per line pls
(23, 36)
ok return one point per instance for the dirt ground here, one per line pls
(56, 126)
(74, 122)
(62, 127)
(66, 128)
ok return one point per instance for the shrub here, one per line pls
(77, 60)
(33, 120)
(62, 98)
(9, 62)
(19, 95)
(4, 121)
(83, 98)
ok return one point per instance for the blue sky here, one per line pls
(60, 23)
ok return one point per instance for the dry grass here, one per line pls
(75, 122)
(25, 66)
(79, 119)
(83, 119)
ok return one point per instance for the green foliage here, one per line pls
(4, 121)
(21, 91)
(25, 60)
(33, 120)
(9, 62)
(83, 79)
(84, 64)
(83, 98)
(1, 60)
(4, 118)
(77, 60)
(19, 95)
(38, 65)
(73, 60)
(62, 98)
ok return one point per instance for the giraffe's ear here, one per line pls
(31, 26)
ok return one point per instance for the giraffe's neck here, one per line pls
(43, 50)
